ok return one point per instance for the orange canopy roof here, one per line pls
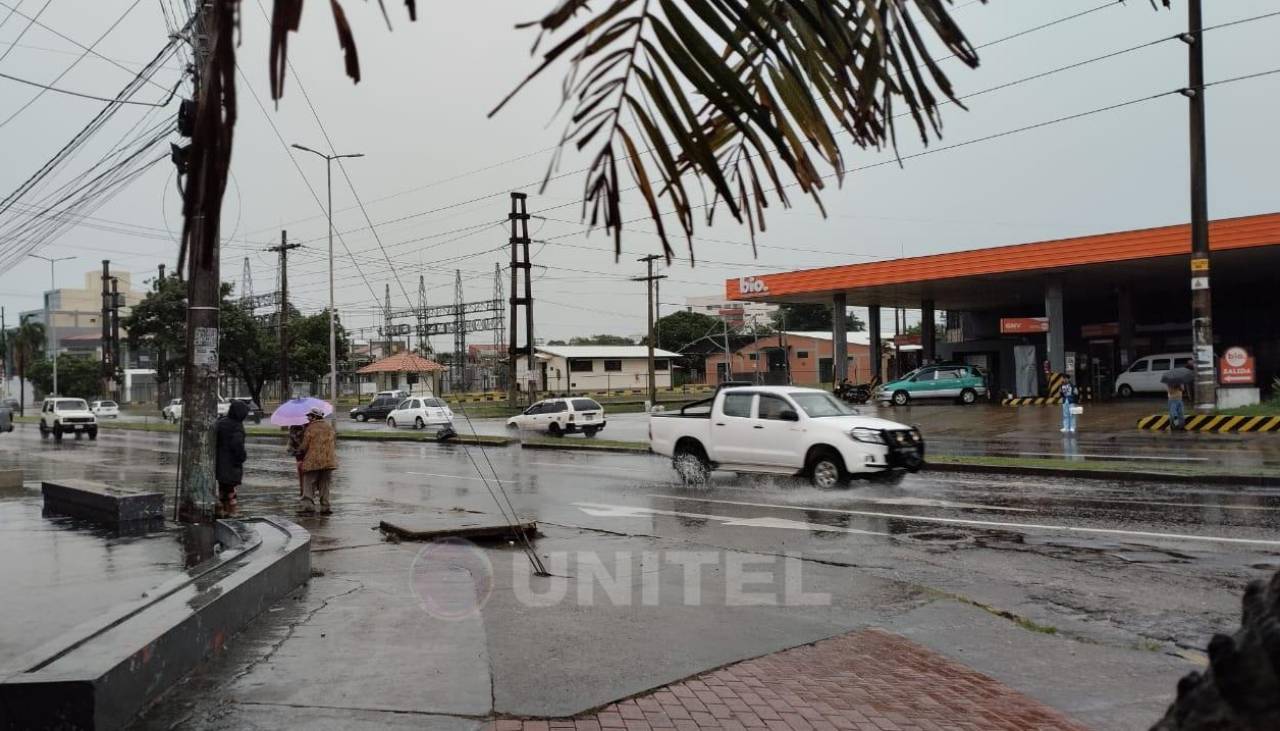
(1224, 235)
(402, 363)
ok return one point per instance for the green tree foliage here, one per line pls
(679, 330)
(248, 348)
(602, 340)
(78, 376)
(811, 316)
(27, 344)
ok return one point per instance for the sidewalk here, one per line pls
(869, 680)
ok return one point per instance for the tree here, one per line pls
(159, 324)
(679, 330)
(602, 340)
(309, 346)
(78, 376)
(27, 342)
(247, 348)
(811, 316)
(556, 342)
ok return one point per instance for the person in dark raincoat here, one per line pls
(229, 470)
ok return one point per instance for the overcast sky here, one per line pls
(419, 117)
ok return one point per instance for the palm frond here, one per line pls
(739, 94)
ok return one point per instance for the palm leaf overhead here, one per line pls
(775, 83)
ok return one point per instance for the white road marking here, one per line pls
(988, 523)
(605, 510)
(458, 477)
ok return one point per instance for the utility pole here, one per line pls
(116, 366)
(209, 159)
(650, 280)
(108, 364)
(286, 387)
(1206, 391)
(4, 345)
(519, 218)
(51, 328)
(333, 310)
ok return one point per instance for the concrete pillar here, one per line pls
(839, 338)
(1124, 317)
(1055, 339)
(873, 328)
(928, 334)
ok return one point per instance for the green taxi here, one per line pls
(960, 383)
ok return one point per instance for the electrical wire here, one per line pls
(83, 95)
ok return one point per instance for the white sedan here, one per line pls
(173, 412)
(105, 409)
(422, 412)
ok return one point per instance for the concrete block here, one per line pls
(119, 508)
(432, 526)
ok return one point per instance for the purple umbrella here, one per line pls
(294, 411)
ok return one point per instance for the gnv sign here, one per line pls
(751, 285)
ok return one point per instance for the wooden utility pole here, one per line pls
(1206, 396)
(208, 165)
(650, 281)
(286, 386)
(108, 362)
(117, 368)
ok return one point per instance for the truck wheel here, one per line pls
(826, 469)
(93, 435)
(57, 433)
(1126, 391)
(901, 398)
(555, 430)
(691, 464)
(590, 431)
(968, 397)
(44, 433)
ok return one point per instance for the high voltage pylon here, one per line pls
(499, 294)
(424, 343)
(459, 377)
(246, 283)
(386, 321)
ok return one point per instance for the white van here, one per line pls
(1143, 375)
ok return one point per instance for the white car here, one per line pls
(783, 430)
(105, 409)
(1143, 375)
(422, 412)
(560, 416)
(60, 416)
(173, 412)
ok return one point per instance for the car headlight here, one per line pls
(867, 435)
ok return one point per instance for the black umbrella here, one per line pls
(1181, 376)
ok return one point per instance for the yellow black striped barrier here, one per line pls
(1053, 399)
(1218, 424)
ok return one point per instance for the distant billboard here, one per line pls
(1023, 325)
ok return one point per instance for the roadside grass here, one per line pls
(1093, 465)
(1266, 408)
(1028, 624)
(604, 445)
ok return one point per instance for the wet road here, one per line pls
(1119, 577)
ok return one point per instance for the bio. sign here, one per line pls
(1236, 368)
(752, 286)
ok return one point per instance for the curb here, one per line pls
(1231, 480)
(1222, 424)
(577, 447)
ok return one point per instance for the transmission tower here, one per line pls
(424, 343)
(459, 335)
(246, 284)
(386, 321)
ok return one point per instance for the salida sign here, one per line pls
(752, 286)
(1235, 367)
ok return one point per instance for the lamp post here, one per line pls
(48, 316)
(333, 338)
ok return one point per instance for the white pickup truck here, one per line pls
(783, 430)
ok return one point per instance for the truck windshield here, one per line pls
(818, 405)
(71, 404)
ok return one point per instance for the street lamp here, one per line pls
(333, 338)
(48, 316)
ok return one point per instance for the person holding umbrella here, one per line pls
(1174, 380)
(313, 445)
(319, 450)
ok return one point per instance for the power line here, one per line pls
(27, 27)
(82, 95)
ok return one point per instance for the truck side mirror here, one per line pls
(788, 415)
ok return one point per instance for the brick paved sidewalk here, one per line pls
(864, 681)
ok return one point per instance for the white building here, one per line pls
(570, 368)
(737, 314)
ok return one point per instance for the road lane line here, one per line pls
(606, 510)
(986, 523)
